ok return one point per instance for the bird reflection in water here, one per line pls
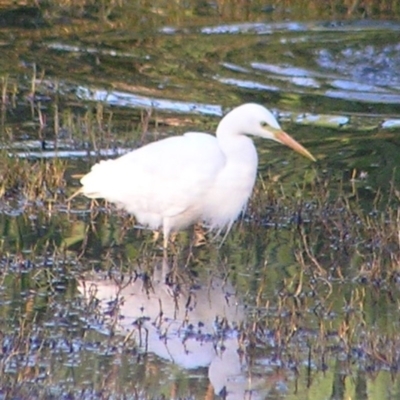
(189, 323)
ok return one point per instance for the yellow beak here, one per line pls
(284, 138)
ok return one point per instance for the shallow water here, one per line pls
(302, 295)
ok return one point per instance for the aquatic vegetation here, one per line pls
(31, 181)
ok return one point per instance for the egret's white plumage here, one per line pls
(178, 181)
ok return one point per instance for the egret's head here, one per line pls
(256, 120)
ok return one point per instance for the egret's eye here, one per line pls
(264, 124)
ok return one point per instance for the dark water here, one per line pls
(301, 299)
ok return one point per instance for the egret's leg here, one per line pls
(166, 231)
(165, 242)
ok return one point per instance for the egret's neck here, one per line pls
(238, 174)
(227, 128)
(236, 146)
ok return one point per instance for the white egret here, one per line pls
(181, 180)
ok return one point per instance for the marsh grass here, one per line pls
(332, 227)
(31, 181)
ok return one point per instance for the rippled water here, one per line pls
(78, 89)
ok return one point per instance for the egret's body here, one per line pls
(178, 181)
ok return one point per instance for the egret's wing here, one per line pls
(164, 177)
